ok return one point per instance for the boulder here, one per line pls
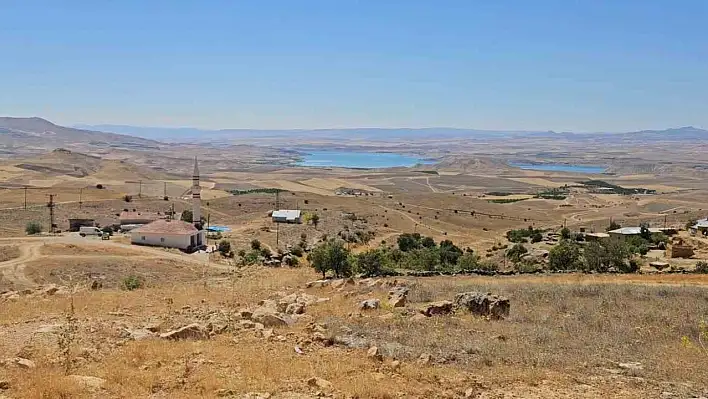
(318, 284)
(343, 283)
(369, 304)
(192, 331)
(308, 299)
(22, 363)
(269, 317)
(321, 383)
(437, 308)
(398, 296)
(425, 358)
(374, 353)
(88, 382)
(295, 308)
(50, 290)
(484, 304)
(140, 334)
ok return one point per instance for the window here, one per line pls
(143, 238)
(162, 239)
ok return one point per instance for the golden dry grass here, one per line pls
(9, 252)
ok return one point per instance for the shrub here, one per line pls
(127, 198)
(468, 261)
(255, 244)
(224, 247)
(408, 242)
(165, 198)
(297, 251)
(702, 267)
(132, 283)
(187, 216)
(516, 252)
(536, 237)
(33, 228)
(315, 219)
(449, 253)
(564, 256)
(265, 252)
(99, 186)
(292, 261)
(331, 256)
(565, 233)
(371, 263)
(488, 265)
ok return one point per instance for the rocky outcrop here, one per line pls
(369, 304)
(192, 331)
(484, 304)
(437, 308)
(398, 297)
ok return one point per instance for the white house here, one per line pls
(287, 216)
(170, 234)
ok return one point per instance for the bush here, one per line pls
(165, 198)
(371, 263)
(536, 237)
(516, 252)
(565, 233)
(186, 216)
(468, 261)
(128, 198)
(99, 186)
(449, 253)
(132, 283)
(702, 267)
(225, 248)
(488, 265)
(292, 261)
(255, 244)
(331, 256)
(297, 251)
(564, 256)
(33, 228)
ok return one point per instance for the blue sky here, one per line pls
(548, 65)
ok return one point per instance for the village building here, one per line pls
(175, 233)
(701, 227)
(169, 234)
(287, 216)
(625, 232)
(137, 218)
(75, 224)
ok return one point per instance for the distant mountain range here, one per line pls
(194, 135)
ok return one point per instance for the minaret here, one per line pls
(196, 195)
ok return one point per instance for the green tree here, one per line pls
(371, 263)
(449, 253)
(315, 219)
(536, 237)
(468, 261)
(225, 248)
(255, 244)
(427, 242)
(595, 257)
(408, 242)
(565, 233)
(33, 228)
(644, 232)
(331, 256)
(423, 259)
(564, 256)
(618, 253)
(186, 216)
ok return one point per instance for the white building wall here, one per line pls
(161, 240)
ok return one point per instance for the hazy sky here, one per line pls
(541, 64)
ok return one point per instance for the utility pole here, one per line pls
(50, 205)
(164, 194)
(140, 189)
(277, 200)
(25, 197)
(664, 221)
(81, 192)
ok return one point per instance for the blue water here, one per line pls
(559, 167)
(350, 159)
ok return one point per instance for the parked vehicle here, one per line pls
(90, 231)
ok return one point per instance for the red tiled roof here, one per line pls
(167, 227)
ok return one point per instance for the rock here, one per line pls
(10, 295)
(481, 304)
(4, 384)
(437, 308)
(318, 283)
(50, 290)
(320, 383)
(153, 327)
(309, 300)
(269, 318)
(256, 395)
(244, 314)
(374, 353)
(470, 392)
(369, 304)
(269, 304)
(88, 382)
(631, 366)
(425, 358)
(396, 365)
(264, 333)
(397, 297)
(374, 283)
(343, 283)
(24, 363)
(192, 331)
(295, 308)
(48, 328)
(96, 285)
(140, 334)
(246, 324)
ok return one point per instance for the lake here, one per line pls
(352, 159)
(560, 167)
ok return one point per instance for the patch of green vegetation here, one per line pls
(610, 188)
(505, 200)
(521, 235)
(257, 191)
(553, 194)
(499, 193)
(429, 172)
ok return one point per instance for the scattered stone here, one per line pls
(244, 314)
(223, 392)
(23, 363)
(397, 297)
(425, 358)
(153, 327)
(299, 351)
(369, 304)
(295, 308)
(437, 308)
(50, 290)
(264, 333)
(484, 304)
(631, 366)
(192, 331)
(88, 382)
(270, 319)
(343, 283)
(246, 324)
(10, 295)
(470, 392)
(4, 384)
(48, 329)
(396, 365)
(318, 284)
(317, 382)
(96, 285)
(374, 353)
(256, 395)
(140, 334)
(418, 317)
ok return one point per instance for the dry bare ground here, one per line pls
(566, 336)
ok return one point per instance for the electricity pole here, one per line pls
(140, 189)
(165, 190)
(81, 191)
(25, 197)
(50, 205)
